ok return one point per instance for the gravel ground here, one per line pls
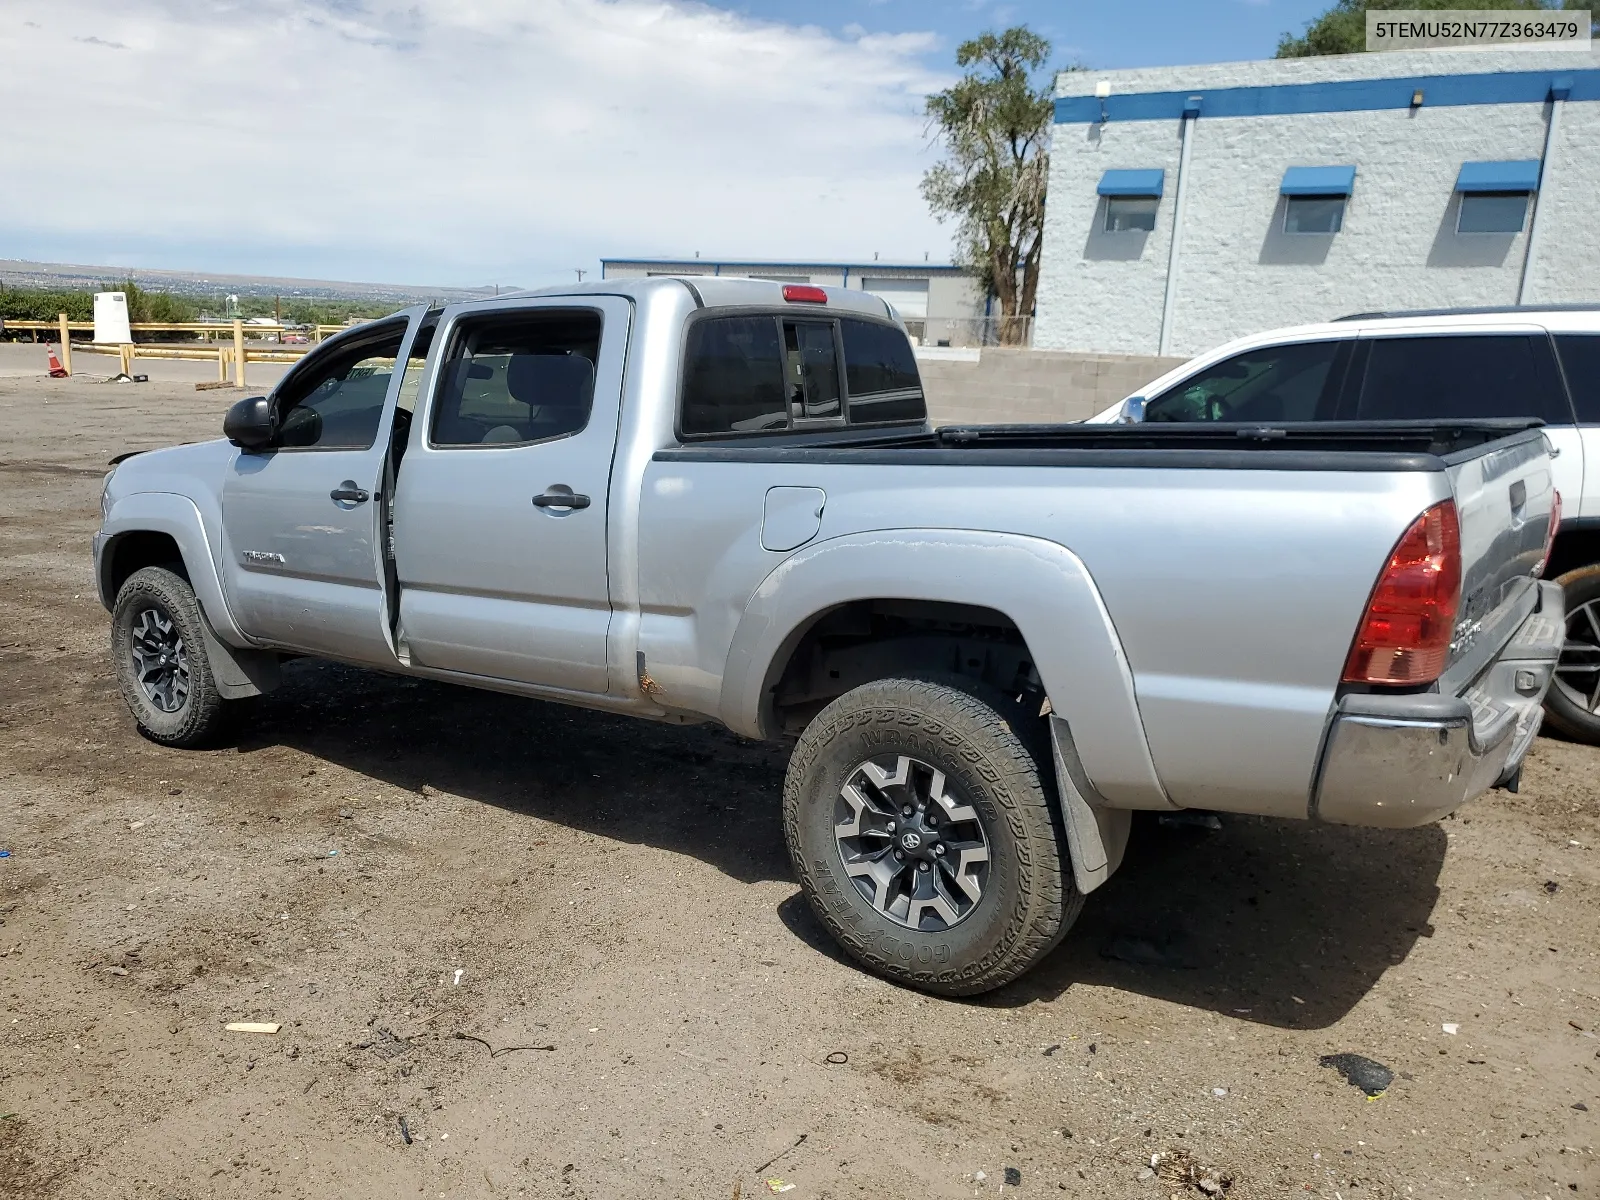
(562, 953)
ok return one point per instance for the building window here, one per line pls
(1494, 195)
(1492, 212)
(1313, 214)
(1128, 214)
(1314, 198)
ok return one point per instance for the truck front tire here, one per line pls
(920, 822)
(158, 647)
(1572, 706)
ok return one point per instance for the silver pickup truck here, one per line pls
(720, 500)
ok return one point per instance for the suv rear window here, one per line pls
(1580, 359)
(1457, 378)
(771, 372)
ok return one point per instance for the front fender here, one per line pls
(178, 517)
(1041, 586)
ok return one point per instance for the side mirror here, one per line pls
(251, 424)
(1132, 411)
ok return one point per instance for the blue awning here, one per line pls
(1521, 175)
(1132, 183)
(1318, 181)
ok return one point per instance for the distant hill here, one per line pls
(17, 273)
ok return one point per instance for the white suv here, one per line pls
(1456, 363)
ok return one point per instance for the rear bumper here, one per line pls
(1392, 762)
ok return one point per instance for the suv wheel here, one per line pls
(158, 647)
(1572, 706)
(920, 823)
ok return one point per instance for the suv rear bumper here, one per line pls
(1393, 762)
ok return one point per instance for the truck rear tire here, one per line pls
(158, 647)
(1572, 706)
(920, 821)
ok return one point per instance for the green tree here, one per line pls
(995, 128)
(1343, 28)
(146, 306)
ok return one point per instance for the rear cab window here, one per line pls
(775, 372)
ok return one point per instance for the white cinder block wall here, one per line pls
(1237, 272)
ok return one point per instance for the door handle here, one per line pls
(349, 493)
(561, 498)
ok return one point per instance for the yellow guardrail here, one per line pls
(235, 355)
(315, 332)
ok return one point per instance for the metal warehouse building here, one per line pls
(940, 304)
(1191, 205)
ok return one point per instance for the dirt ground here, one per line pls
(565, 950)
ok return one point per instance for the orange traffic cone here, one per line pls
(57, 371)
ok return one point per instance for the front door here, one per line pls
(502, 497)
(300, 520)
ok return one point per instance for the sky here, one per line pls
(472, 142)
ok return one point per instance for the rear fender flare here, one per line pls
(1040, 585)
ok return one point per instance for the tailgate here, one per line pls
(1505, 502)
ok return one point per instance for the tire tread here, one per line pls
(993, 735)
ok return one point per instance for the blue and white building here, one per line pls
(1191, 205)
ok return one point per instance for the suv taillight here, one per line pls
(1405, 634)
(1550, 534)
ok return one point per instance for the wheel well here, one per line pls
(865, 640)
(1573, 549)
(143, 548)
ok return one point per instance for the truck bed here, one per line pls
(1304, 446)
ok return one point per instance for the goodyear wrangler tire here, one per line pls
(921, 825)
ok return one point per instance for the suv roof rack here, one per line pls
(1484, 310)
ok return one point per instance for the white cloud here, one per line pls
(454, 141)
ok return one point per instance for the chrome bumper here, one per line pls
(1392, 762)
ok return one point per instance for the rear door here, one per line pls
(1580, 364)
(501, 500)
(300, 521)
(1461, 374)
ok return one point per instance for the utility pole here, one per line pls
(581, 273)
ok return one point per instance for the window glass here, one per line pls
(517, 377)
(1580, 359)
(880, 373)
(1273, 383)
(1455, 378)
(733, 376)
(1313, 214)
(336, 402)
(412, 379)
(1125, 214)
(811, 369)
(1492, 212)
